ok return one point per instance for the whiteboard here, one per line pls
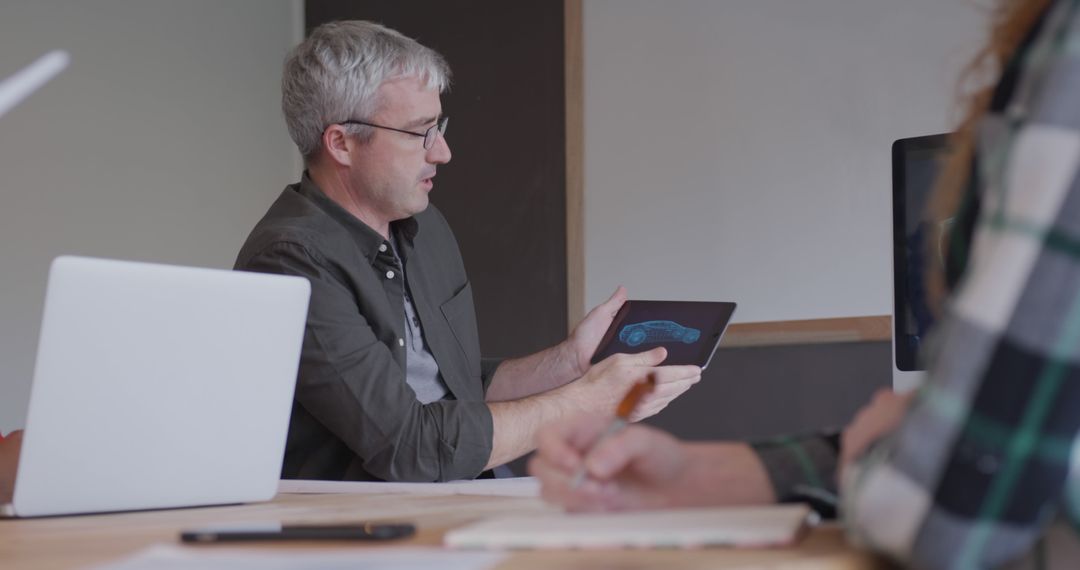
(738, 150)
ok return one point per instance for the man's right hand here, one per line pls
(597, 393)
(9, 461)
(604, 385)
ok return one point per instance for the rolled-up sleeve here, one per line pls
(802, 468)
(488, 366)
(351, 383)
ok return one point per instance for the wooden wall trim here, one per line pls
(575, 163)
(810, 331)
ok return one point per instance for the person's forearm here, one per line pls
(516, 423)
(545, 370)
(722, 474)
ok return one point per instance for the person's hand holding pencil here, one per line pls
(593, 463)
(604, 463)
(621, 419)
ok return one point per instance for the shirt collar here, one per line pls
(368, 239)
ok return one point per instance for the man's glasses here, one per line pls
(429, 135)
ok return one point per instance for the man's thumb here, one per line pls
(652, 357)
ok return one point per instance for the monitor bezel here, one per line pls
(906, 368)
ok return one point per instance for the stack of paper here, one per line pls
(687, 528)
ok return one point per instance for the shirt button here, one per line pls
(382, 247)
(389, 274)
(401, 342)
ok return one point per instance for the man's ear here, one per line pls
(336, 143)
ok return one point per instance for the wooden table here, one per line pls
(67, 542)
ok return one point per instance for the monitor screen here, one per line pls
(915, 163)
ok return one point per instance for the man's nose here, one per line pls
(439, 153)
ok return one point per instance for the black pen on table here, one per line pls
(622, 417)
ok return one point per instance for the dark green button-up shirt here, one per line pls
(354, 416)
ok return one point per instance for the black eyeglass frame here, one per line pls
(428, 135)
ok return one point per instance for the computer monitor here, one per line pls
(915, 165)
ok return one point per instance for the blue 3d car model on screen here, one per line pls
(658, 331)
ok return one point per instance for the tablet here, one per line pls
(689, 330)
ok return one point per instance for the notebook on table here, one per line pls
(683, 528)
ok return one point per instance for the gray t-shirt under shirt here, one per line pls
(421, 369)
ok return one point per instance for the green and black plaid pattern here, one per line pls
(986, 455)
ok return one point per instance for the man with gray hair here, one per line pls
(391, 383)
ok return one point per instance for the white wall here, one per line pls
(738, 150)
(163, 141)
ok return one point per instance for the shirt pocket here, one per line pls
(460, 314)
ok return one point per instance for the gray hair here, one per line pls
(335, 73)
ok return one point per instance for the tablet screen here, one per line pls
(689, 330)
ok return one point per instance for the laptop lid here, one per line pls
(915, 166)
(159, 386)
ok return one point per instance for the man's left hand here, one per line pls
(586, 337)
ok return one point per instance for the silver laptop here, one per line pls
(158, 386)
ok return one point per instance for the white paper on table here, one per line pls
(175, 557)
(509, 487)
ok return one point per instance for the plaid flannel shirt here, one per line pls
(988, 456)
